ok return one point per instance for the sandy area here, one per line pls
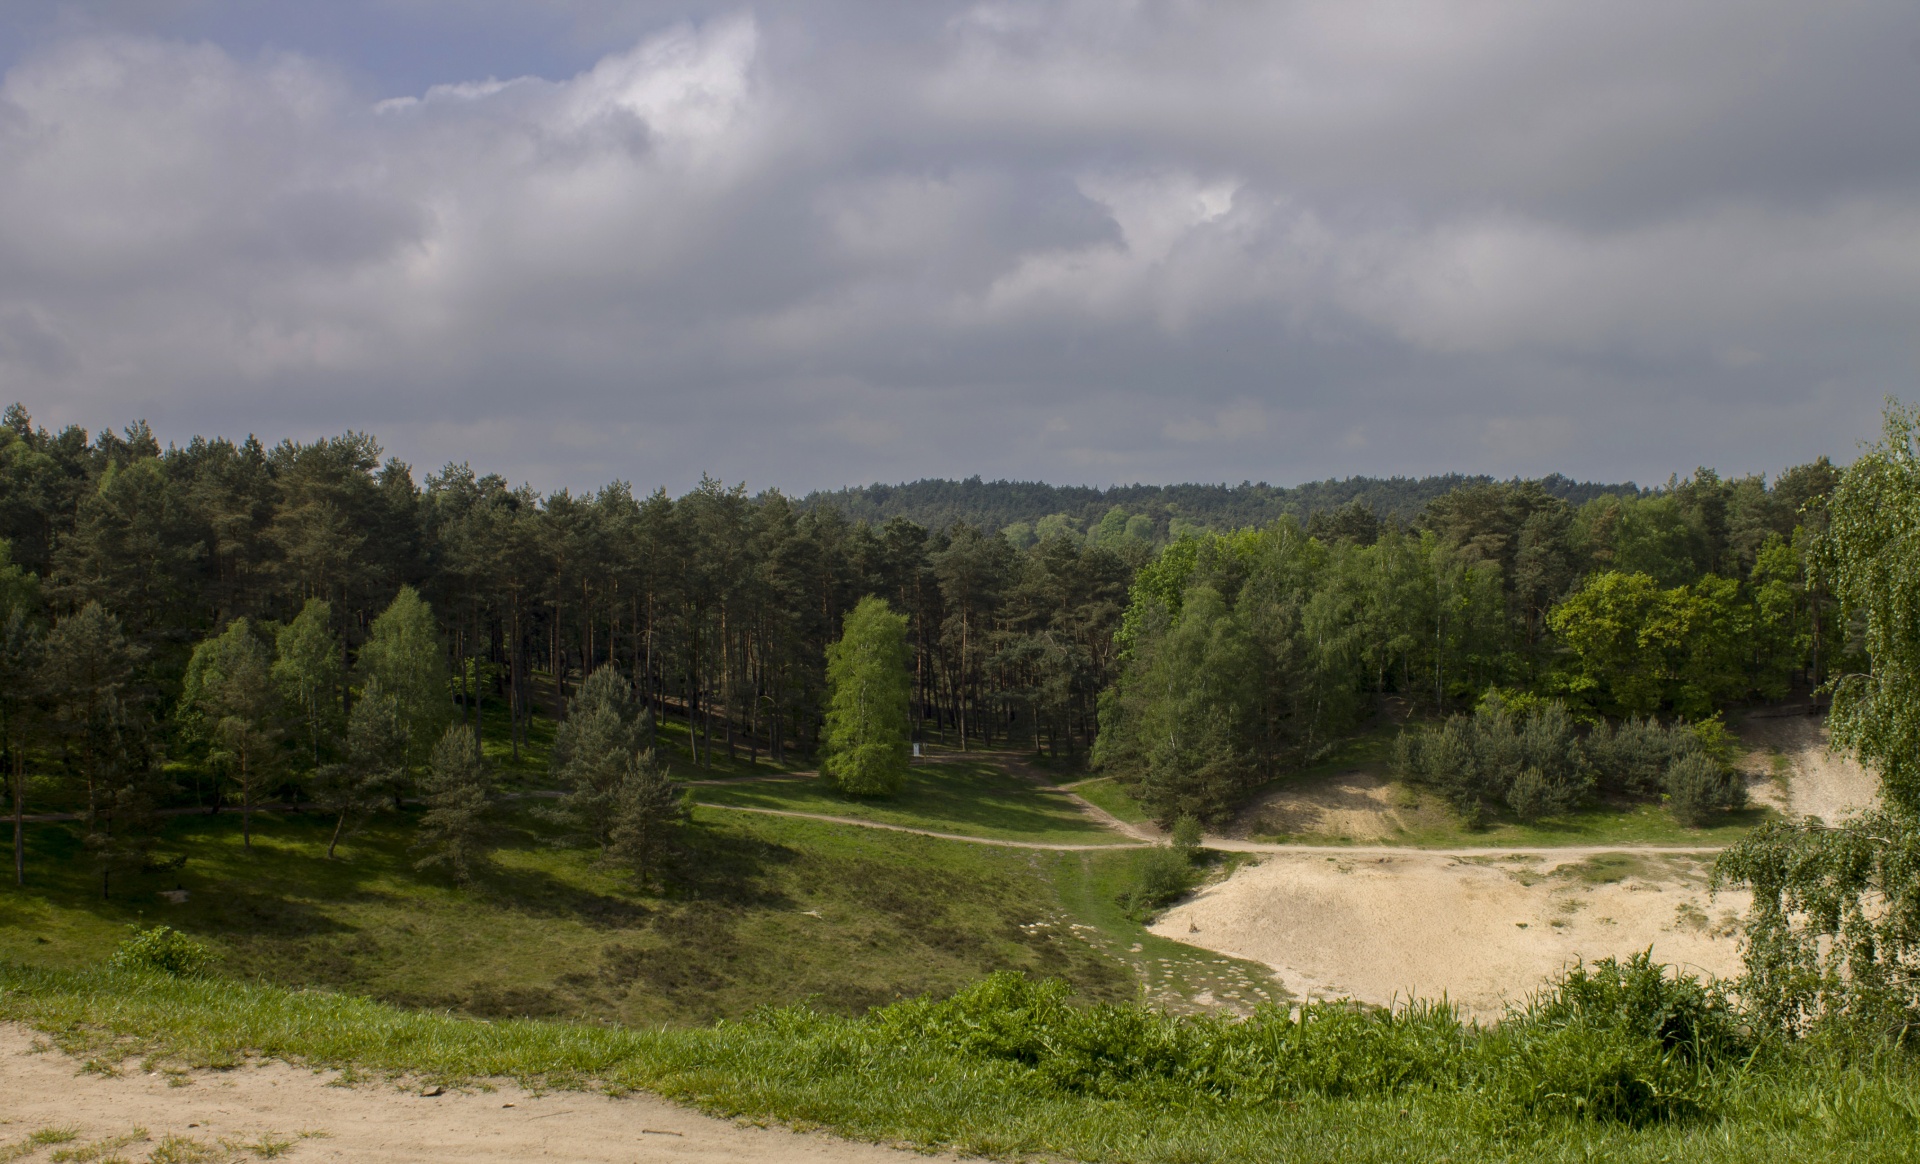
(1359, 805)
(1793, 749)
(228, 1115)
(1482, 931)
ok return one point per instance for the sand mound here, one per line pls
(229, 1115)
(1818, 781)
(1482, 931)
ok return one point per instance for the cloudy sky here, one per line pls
(827, 242)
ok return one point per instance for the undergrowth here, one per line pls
(1617, 1061)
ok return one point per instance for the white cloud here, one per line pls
(786, 247)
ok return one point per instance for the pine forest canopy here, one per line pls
(936, 503)
(1277, 633)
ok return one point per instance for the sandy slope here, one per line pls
(1818, 782)
(1482, 931)
(374, 1122)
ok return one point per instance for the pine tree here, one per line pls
(454, 826)
(21, 644)
(376, 756)
(646, 809)
(868, 684)
(594, 751)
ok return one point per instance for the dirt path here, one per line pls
(1064, 847)
(1481, 928)
(241, 1114)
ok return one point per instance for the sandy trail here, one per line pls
(1484, 930)
(376, 1122)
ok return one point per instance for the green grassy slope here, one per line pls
(952, 795)
(756, 910)
(877, 1079)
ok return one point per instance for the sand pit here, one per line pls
(1482, 931)
(294, 1114)
(1818, 781)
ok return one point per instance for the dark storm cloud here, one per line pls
(1082, 242)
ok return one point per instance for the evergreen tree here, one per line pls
(646, 809)
(97, 723)
(229, 700)
(594, 751)
(20, 659)
(376, 755)
(454, 826)
(868, 686)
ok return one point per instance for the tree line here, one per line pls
(1248, 651)
(149, 589)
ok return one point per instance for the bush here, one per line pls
(1534, 764)
(1186, 835)
(162, 950)
(1698, 790)
(1613, 1043)
(1163, 874)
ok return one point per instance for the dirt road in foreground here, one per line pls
(245, 1113)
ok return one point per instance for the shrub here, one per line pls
(1163, 874)
(1699, 790)
(162, 950)
(1186, 835)
(1533, 764)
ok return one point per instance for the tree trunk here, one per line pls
(19, 815)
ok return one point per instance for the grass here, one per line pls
(1107, 793)
(756, 910)
(892, 1077)
(976, 798)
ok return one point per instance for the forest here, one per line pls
(1194, 666)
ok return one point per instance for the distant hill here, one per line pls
(938, 503)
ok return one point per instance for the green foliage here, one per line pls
(229, 700)
(307, 668)
(595, 750)
(1186, 834)
(1163, 874)
(163, 950)
(1699, 789)
(1535, 765)
(453, 829)
(1615, 1045)
(646, 810)
(1833, 937)
(868, 688)
(374, 767)
(403, 654)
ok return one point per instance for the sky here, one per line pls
(830, 242)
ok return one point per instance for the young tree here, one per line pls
(20, 650)
(403, 653)
(376, 757)
(594, 750)
(86, 677)
(454, 826)
(20, 640)
(306, 665)
(646, 809)
(868, 685)
(229, 700)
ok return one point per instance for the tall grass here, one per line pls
(1619, 1063)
